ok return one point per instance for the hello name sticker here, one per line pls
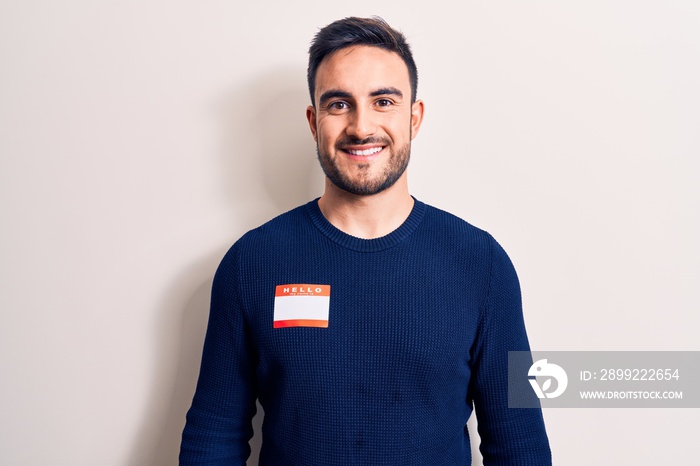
(302, 305)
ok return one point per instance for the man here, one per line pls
(367, 323)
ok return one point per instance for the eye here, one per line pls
(338, 106)
(384, 103)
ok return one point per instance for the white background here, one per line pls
(140, 139)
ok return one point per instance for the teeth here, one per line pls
(371, 151)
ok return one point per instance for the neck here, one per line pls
(367, 217)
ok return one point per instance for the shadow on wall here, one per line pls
(268, 167)
(269, 148)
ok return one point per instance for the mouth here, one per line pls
(363, 153)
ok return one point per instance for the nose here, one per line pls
(361, 124)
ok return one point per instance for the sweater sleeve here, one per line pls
(218, 425)
(509, 436)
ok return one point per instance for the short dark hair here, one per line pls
(352, 31)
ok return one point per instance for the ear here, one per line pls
(311, 118)
(417, 109)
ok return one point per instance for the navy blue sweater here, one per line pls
(386, 371)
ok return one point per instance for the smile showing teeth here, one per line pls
(366, 152)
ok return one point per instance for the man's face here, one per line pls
(363, 122)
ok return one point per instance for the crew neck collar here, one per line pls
(366, 245)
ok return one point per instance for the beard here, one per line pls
(365, 184)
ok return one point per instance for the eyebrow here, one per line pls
(387, 91)
(333, 94)
(337, 93)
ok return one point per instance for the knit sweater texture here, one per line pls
(420, 323)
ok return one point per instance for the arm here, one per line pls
(509, 436)
(219, 422)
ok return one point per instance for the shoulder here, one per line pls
(439, 217)
(271, 235)
(447, 226)
(458, 235)
(289, 224)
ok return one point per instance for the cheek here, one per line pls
(399, 132)
(328, 131)
(398, 123)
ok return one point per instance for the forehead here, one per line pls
(362, 69)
